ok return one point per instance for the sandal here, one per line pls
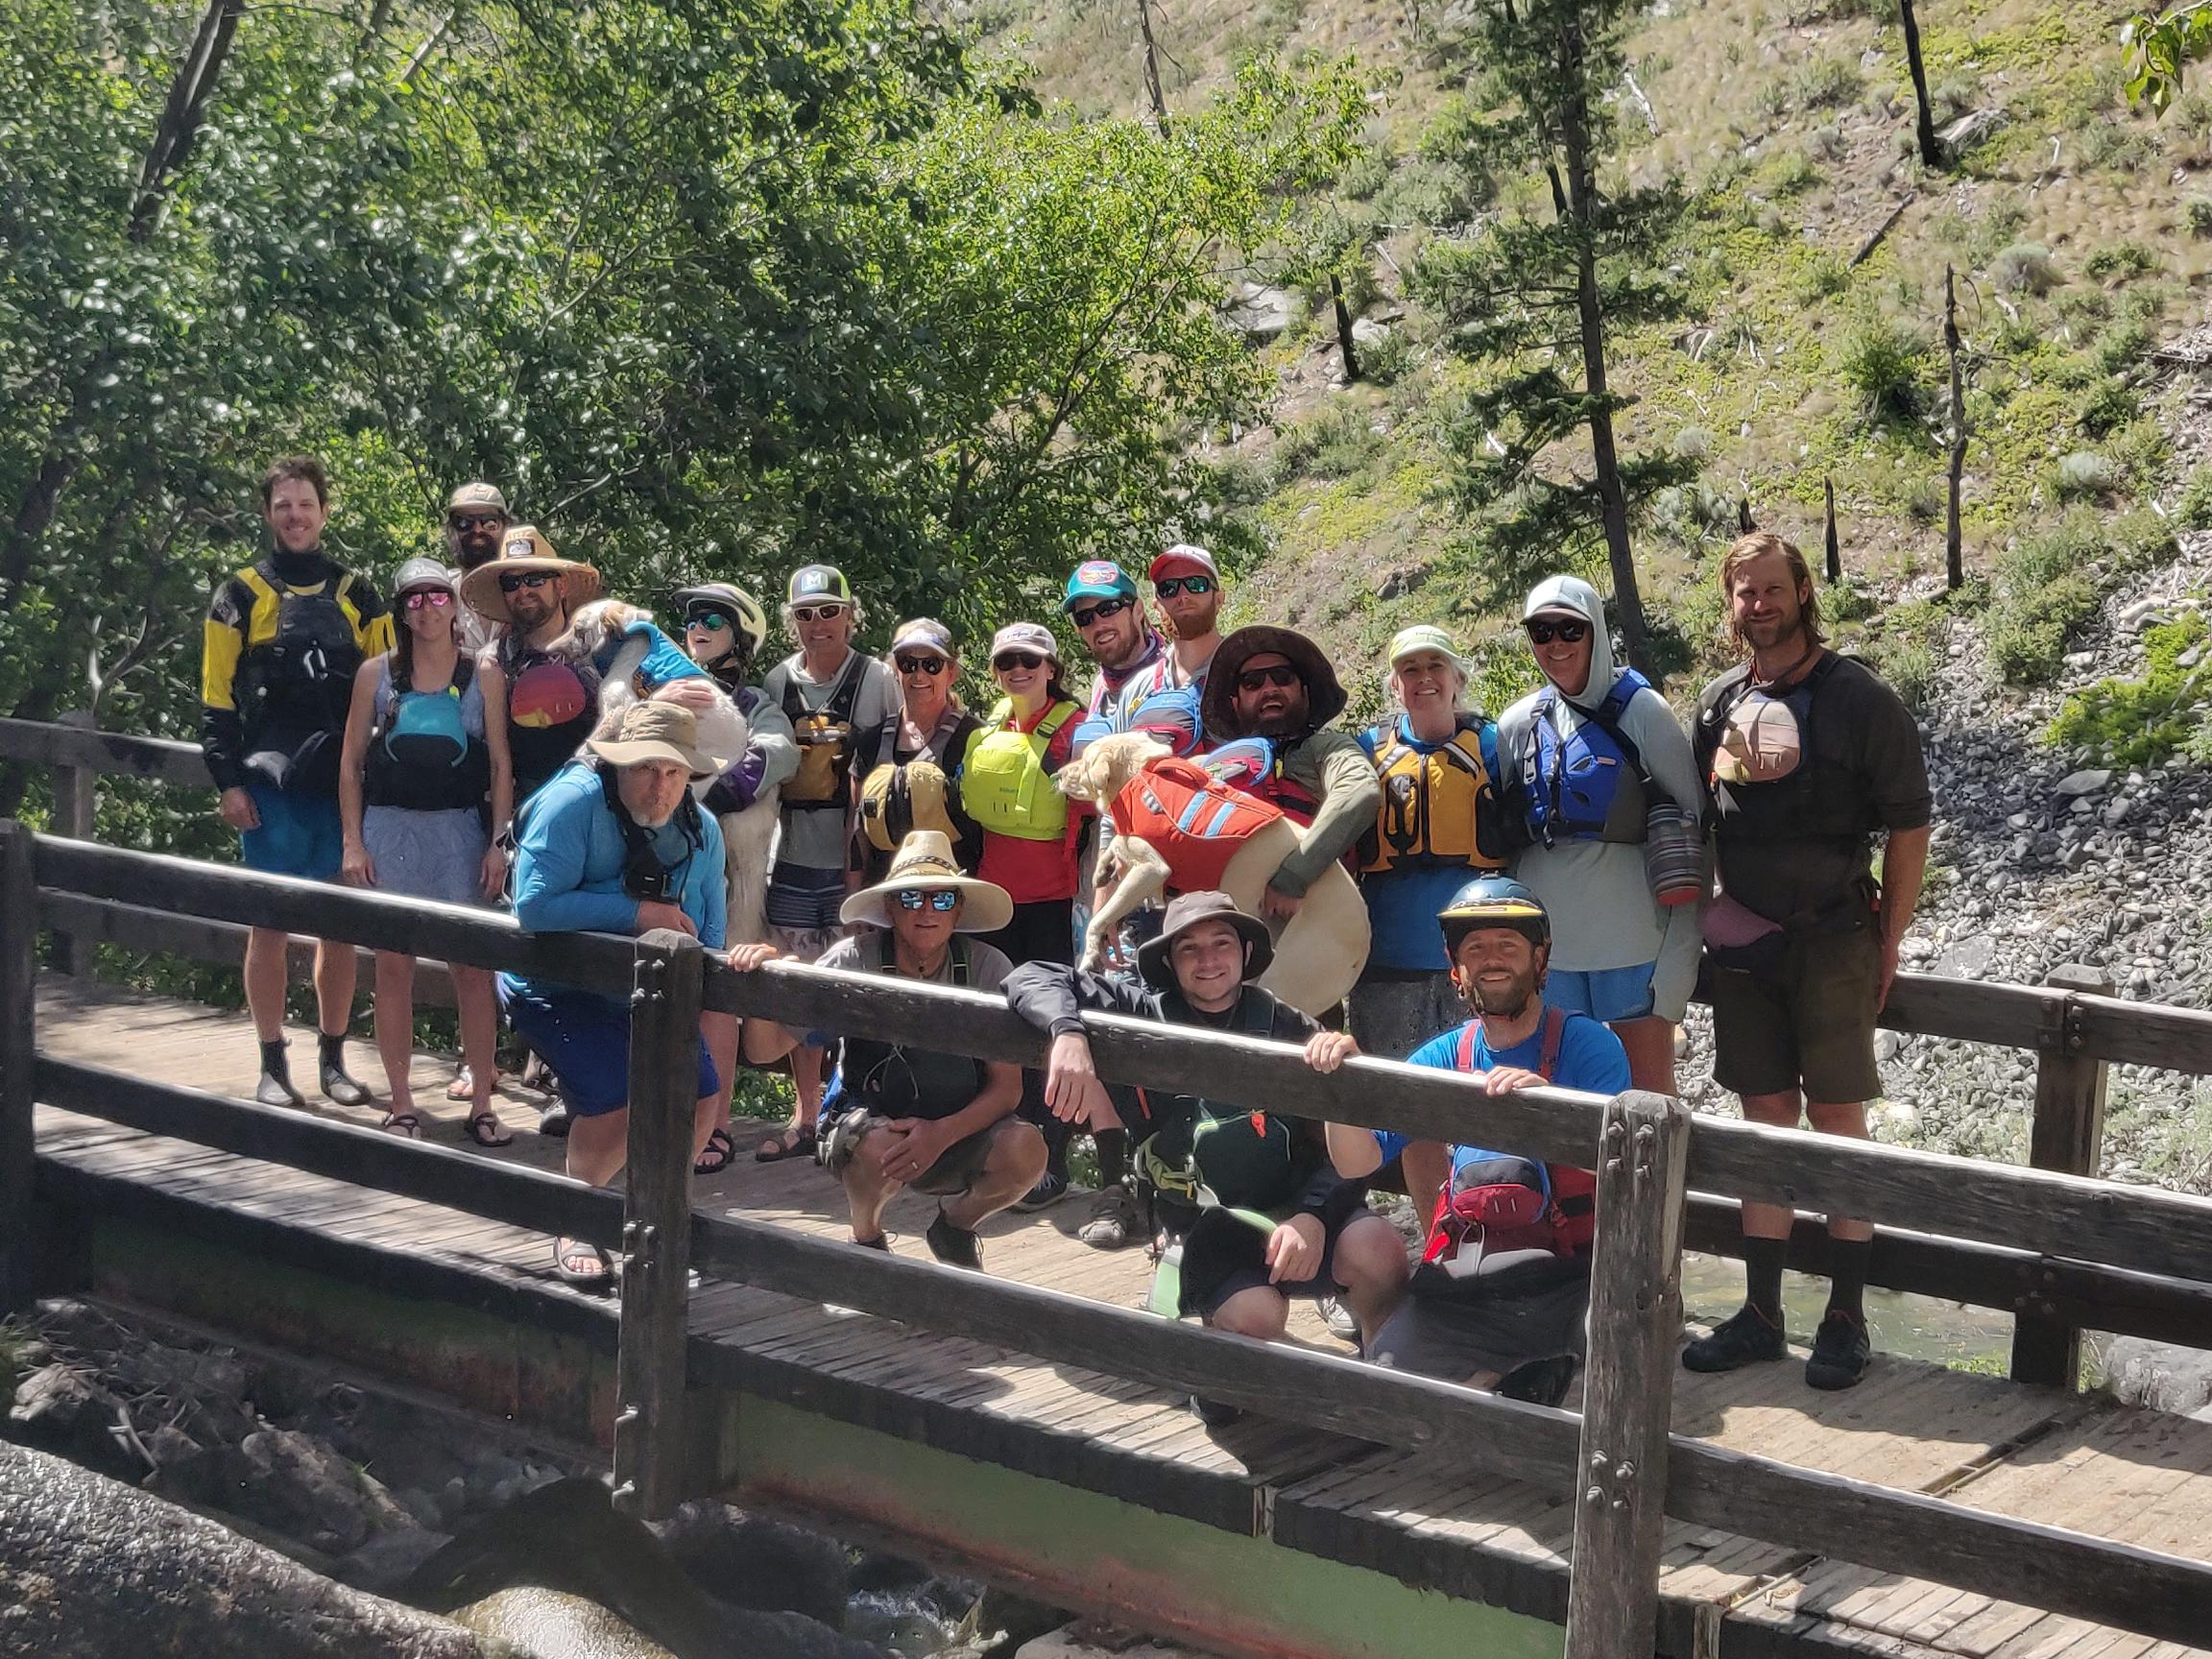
(717, 1155)
(462, 1088)
(484, 1129)
(789, 1142)
(568, 1255)
(402, 1123)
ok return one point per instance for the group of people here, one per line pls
(1540, 890)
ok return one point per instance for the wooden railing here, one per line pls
(1624, 1467)
(2076, 1029)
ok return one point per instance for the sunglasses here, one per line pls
(1007, 659)
(1110, 608)
(1167, 587)
(466, 521)
(710, 621)
(931, 665)
(816, 613)
(1281, 675)
(941, 899)
(527, 579)
(1541, 633)
(435, 597)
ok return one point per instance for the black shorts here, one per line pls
(1223, 1255)
(1450, 1329)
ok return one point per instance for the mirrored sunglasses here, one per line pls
(434, 596)
(1543, 632)
(1167, 587)
(816, 613)
(939, 898)
(931, 665)
(710, 620)
(1282, 674)
(526, 579)
(1084, 617)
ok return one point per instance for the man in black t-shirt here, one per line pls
(1809, 756)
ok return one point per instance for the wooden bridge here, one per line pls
(1029, 1428)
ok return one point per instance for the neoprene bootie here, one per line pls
(336, 1084)
(275, 1086)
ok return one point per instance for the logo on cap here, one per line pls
(1101, 572)
(813, 581)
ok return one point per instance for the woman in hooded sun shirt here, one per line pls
(425, 750)
(1585, 756)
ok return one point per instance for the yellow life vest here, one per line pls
(1440, 807)
(1002, 782)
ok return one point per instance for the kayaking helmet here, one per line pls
(1494, 901)
(748, 621)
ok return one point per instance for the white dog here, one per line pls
(636, 660)
(1318, 954)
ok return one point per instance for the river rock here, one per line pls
(2158, 1375)
(1086, 1640)
(751, 1561)
(60, 1409)
(2089, 780)
(299, 1486)
(90, 1569)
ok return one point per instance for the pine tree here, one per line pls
(1534, 295)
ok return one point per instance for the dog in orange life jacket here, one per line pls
(1179, 829)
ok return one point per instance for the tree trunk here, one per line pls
(1612, 498)
(1925, 124)
(1831, 543)
(174, 135)
(1343, 329)
(1954, 547)
(1152, 88)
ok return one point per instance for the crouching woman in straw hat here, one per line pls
(941, 1124)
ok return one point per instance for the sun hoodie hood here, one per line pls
(1573, 594)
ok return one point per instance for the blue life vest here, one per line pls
(1590, 785)
(421, 754)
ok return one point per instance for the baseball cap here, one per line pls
(925, 630)
(818, 583)
(1098, 579)
(1424, 636)
(418, 573)
(479, 497)
(1182, 560)
(1025, 637)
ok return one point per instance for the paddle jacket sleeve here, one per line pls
(1051, 996)
(1339, 774)
(771, 756)
(568, 856)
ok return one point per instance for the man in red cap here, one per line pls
(1187, 596)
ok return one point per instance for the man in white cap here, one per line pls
(614, 844)
(941, 1124)
(476, 520)
(1187, 596)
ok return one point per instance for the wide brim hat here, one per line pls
(1323, 692)
(924, 861)
(1185, 911)
(480, 587)
(657, 730)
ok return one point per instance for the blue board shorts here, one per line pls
(299, 835)
(585, 1038)
(1603, 993)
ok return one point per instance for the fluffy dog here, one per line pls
(1318, 953)
(637, 660)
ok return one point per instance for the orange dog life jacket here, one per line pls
(1192, 819)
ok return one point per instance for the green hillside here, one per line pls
(2080, 230)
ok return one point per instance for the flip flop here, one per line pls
(717, 1155)
(484, 1129)
(402, 1123)
(594, 1278)
(785, 1142)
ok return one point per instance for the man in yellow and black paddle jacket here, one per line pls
(284, 637)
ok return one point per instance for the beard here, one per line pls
(1501, 1001)
(1196, 625)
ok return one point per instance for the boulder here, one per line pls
(61, 1409)
(751, 1561)
(1262, 313)
(2158, 1375)
(2089, 780)
(301, 1487)
(90, 1567)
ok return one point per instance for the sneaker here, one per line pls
(1339, 1319)
(1841, 1350)
(1114, 1222)
(1214, 1414)
(955, 1246)
(1049, 1190)
(553, 1122)
(1742, 1338)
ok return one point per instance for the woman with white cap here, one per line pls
(1441, 823)
(1609, 800)
(930, 726)
(426, 751)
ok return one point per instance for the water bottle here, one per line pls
(1674, 853)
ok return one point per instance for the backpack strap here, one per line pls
(1465, 1059)
(960, 961)
(1255, 1012)
(1554, 1029)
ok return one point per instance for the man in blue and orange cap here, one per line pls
(1101, 602)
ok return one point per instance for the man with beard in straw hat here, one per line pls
(941, 1124)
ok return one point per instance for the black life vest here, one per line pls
(295, 686)
(897, 1081)
(1240, 1158)
(1820, 798)
(824, 781)
(552, 704)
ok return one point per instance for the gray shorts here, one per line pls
(427, 854)
(1389, 1017)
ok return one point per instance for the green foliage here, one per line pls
(2083, 476)
(1825, 83)
(1385, 362)
(2047, 587)
(1336, 441)
(2199, 213)
(2025, 268)
(2194, 510)
(2122, 259)
(1883, 359)
(2158, 48)
(2110, 406)
(2135, 722)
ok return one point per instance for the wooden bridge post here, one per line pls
(18, 1046)
(2067, 1135)
(76, 807)
(1628, 1392)
(649, 1421)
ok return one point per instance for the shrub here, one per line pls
(2083, 304)
(2083, 476)
(2107, 408)
(2120, 145)
(1927, 498)
(2138, 721)
(2025, 268)
(1822, 276)
(2200, 215)
(1825, 144)
(1793, 171)
(2194, 510)
(2121, 346)
(1825, 82)
(2027, 636)
(1880, 358)
(1909, 665)
(1952, 98)
(1363, 175)
(1384, 361)
(1334, 441)
(2138, 453)
(1692, 444)
(2122, 259)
